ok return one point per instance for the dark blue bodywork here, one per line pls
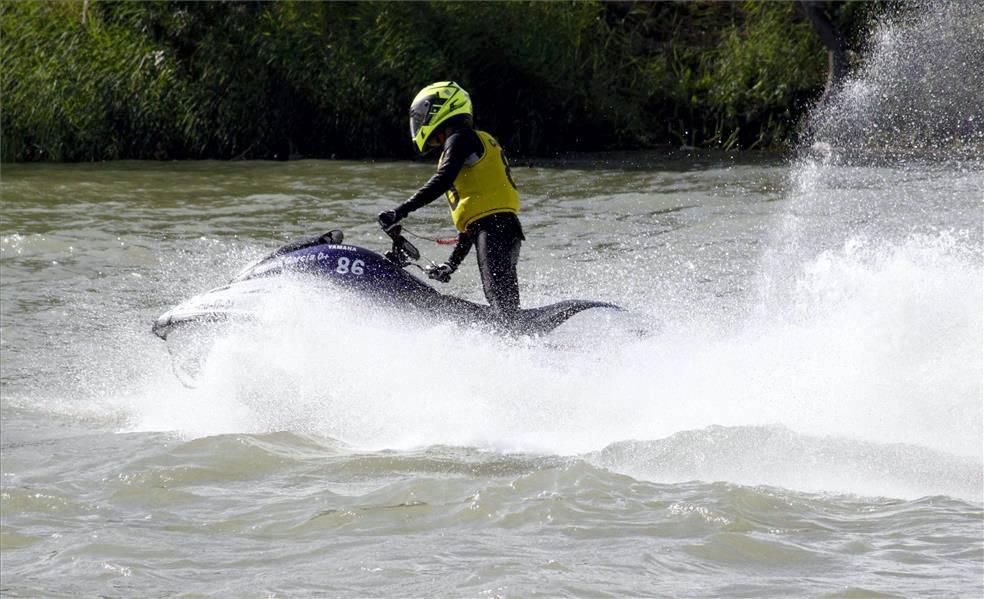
(346, 265)
(381, 278)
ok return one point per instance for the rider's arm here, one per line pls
(461, 250)
(458, 147)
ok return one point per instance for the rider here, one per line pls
(474, 174)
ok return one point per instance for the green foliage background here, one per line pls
(154, 80)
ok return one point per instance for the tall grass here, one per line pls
(273, 80)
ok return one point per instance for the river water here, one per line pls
(791, 406)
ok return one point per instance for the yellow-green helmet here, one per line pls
(433, 106)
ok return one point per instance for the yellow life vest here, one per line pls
(483, 187)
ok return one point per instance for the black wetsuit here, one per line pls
(497, 237)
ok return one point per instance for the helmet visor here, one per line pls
(415, 124)
(419, 116)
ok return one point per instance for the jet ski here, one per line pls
(383, 278)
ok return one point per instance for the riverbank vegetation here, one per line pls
(98, 80)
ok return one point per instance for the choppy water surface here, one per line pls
(790, 406)
(800, 415)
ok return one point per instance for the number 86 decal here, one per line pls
(346, 266)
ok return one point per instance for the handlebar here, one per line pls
(403, 251)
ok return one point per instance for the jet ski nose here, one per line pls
(162, 326)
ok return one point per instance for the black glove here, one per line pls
(440, 272)
(388, 219)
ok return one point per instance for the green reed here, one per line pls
(106, 80)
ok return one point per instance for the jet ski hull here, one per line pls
(363, 272)
(366, 274)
